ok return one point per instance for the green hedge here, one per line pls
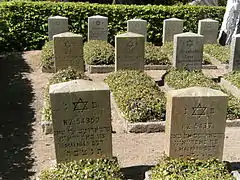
(234, 78)
(182, 79)
(172, 169)
(137, 96)
(98, 169)
(26, 22)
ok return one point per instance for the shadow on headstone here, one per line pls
(135, 172)
(17, 116)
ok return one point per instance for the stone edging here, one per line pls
(148, 174)
(110, 68)
(230, 87)
(216, 62)
(47, 70)
(141, 127)
(46, 125)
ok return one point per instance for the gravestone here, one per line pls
(81, 115)
(188, 51)
(195, 124)
(209, 29)
(129, 51)
(97, 28)
(234, 62)
(138, 26)
(68, 51)
(171, 27)
(57, 25)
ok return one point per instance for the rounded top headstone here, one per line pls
(98, 16)
(130, 34)
(67, 34)
(57, 17)
(196, 92)
(187, 34)
(208, 20)
(76, 86)
(173, 19)
(137, 20)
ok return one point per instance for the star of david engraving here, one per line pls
(80, 105)
(131, 45)
(189, 43)
(98, 23)
(199, 111)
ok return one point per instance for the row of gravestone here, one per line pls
(81, 115)
(129, 51)
(98, 28)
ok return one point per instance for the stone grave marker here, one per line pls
(234, 62)
(188, 51)
(209, 29)
(98, 28)
(68, 51)
(81, 115)
(129, 51)
(171, 27)
(138, 26)
(195, 124)
(57, 25)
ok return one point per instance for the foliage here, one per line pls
(154, 55)
(26, 22)
(97, 169)
(234, 78)
(193, 169)
(168, 49)
(98, 52)
(61, 76)
(182, 79)
(137, 96)
(221, 53)
(47, 55)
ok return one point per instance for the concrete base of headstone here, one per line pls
(216, 62)
(236, 174)
(235, 91)
(141, 127)
(47, 127)
(47, 70)
(110, 68)
(148, 175)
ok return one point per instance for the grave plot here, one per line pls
(139, 99)
(231, 82)
(61, 76)
(178, 79)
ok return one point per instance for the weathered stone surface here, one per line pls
(171, 27)
(81, 116)
(98, 28)
(57, 25)
(138, 26)
(188, 51)
(68, 51)
(234, 62)
(209, 29)
(195, 125)
(129, 51)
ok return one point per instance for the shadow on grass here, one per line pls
(135, 172)
(16, 119)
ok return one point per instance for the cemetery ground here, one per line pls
(26, 150)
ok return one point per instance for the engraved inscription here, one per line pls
(80, 105)
(199, 111)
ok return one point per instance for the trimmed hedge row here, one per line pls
(137, 96)
(193, 169)
(182, 79)
(25, 23)
(97, 169)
